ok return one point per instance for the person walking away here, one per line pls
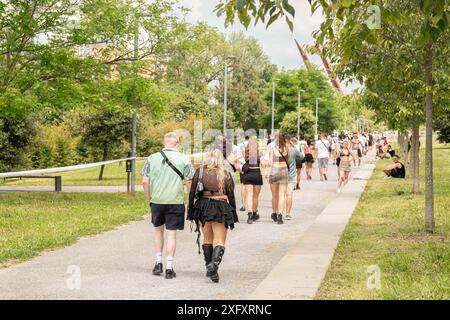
(323, 154)
(214, 209)
(345, 164)
(356, 147)
(396, 170)
(241, 161)
(279, 177)
(309, 160)
(337, 157)
(334, 144)
(251, 179)
(163, 175)
(294, 154)
(299, 159)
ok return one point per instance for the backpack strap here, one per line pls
(166, 160)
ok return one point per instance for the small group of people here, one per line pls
(277, 166)
(211, 203)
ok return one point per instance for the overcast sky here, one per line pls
(277, 41)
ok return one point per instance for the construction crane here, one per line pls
(334, 82)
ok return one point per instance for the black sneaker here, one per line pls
(274, 216)
(170, 274)
(250, 218)
(280, 219)
(325, 176)
(255, 216)
(242, 208)
(157, 269)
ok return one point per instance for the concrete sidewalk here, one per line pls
(262, 261)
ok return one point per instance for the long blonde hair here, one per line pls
(216, 161)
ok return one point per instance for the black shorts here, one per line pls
(309, 158)
(171, 215)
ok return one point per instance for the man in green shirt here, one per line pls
(164, 174)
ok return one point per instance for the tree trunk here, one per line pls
(429, 194)
(415, 155)
(105, 157)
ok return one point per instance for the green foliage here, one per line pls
(442, 125)
(266, 11)
(313, 85)
(307, 124)
(15, 136)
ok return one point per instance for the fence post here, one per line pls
(58, 183)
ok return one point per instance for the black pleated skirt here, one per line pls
(253, 177)
(206, 209)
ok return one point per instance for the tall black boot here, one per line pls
(207, 254)
(213, 266)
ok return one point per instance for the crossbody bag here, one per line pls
(171, 165)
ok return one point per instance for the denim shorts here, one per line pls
(323, 162)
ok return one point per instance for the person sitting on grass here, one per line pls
(396, 170)
(390, 151)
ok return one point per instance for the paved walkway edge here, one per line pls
(299, 273)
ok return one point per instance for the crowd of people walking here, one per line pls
(279, 163)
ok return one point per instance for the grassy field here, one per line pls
(386, 230)
(33, 222)
(114, 175)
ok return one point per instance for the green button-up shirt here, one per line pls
(166, 186)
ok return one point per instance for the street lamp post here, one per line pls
(317, 118)
(298, 113)
(133, 120)
(273, 106)
(225, 95)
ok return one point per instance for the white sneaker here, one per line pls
(288, 217)
(339, 190)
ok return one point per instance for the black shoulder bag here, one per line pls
(166, 160)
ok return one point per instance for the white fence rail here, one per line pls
(60, 169)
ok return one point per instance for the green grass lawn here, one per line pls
(33, 222)
(387, 230)
(114, 175)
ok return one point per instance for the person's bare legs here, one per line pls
(207, 233)
(243, 195)
(159, 239)
(299, 176)
(249, 197)
(309, 169)
(341, 179)
(275, 200)
(282, 190)
(346, 175)
(289, 198)
(219, 233)
(171, 247)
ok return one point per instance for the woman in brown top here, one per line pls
(215, 208)
(279, 175)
